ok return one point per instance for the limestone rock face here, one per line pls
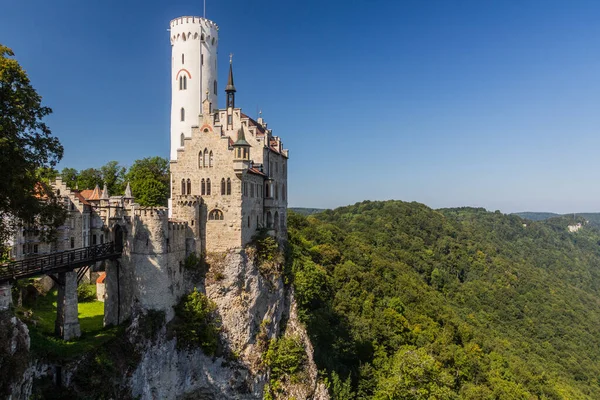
(252, 309)
(15, 383)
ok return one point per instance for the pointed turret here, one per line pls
(128, 194)
(104, 192)
(96, 193)
(241, 150)
(230, 90)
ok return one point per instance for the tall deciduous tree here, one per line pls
(89, 178)
(149, 179)
(26, 144)
(69, 177)
(113, 175)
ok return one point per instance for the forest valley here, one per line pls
(405, 302)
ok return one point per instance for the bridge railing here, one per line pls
(61, 260)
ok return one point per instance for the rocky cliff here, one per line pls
(253, 309)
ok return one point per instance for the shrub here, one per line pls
(196, 323)
(266, 253)
(86, 293)
(285, 357)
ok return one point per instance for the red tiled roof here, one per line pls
(255, 171)
(260, 128)
(90, 194)
(81, 198)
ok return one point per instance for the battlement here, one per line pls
(151, 212)
(177, 225)
(194, 28)
(193, 20)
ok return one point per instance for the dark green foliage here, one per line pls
(149, 179)
(26, 146)
(86, 293)
(415, 303)
(196, 324)
(285, 358)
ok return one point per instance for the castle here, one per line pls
(228, 181)
(228, 171)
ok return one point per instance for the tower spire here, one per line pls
(230, 90)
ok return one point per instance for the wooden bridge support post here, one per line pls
(5, 296)
(67, 321)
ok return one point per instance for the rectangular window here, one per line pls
(72, 242)
(24, 249)
(202, 59)
(35, 248)
(94, 238)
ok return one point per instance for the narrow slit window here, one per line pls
(182, 114)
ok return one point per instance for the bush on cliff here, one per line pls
(196, 323)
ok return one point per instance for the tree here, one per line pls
(149, 179)
(69, 177)
(114, 176)
(89, 178)
(26, 144)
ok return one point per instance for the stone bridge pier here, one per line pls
(67, 312)
(5, 296)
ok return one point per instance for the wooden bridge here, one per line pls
(58, 262)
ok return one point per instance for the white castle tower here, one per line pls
(194, 43)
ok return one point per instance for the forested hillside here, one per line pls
(404, 302)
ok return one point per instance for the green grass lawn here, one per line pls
(41, 318)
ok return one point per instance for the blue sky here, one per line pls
(449, 103)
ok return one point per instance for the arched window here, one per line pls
(257, 223)
(202, 37)
(215, 215)
(267, 190)
(182, 58)
(182, 114)
(202, 187)
(189, 187)
(182, 141)
(222, 186)
(276, 192)
(200, 159)
(228, 186)
(210, 159)
(283, 194)
(269, 220)
(215, 87)
(248, 221)
(181, 83)
(184, 82)
(205, 159)
(208, 186)
(276, 221)
(183, 186)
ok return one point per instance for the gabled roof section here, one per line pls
(81, 198)
(260, 129)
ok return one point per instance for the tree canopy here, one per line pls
(26, 146)
(405, 302)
